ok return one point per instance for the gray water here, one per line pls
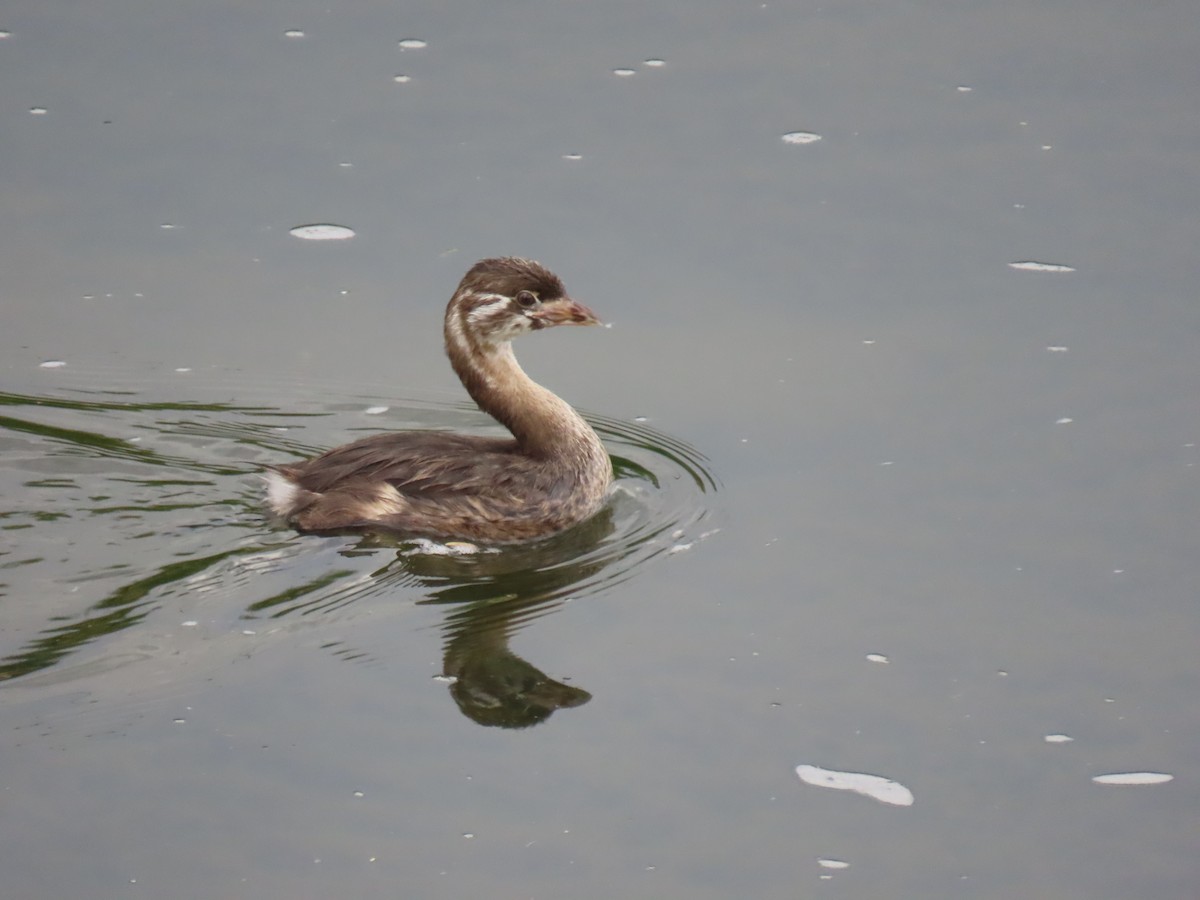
(886, 504)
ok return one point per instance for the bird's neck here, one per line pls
(544, 425)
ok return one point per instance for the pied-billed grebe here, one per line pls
(553, 473)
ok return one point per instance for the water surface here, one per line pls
(904, 420)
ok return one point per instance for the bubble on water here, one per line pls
(1134, 778)
(413, 44)
(654, 63)
(322, 232)
(402, 79)
(38, 110)
(293, 33)
(800, 137)
(52, 364)
(874, 786)
(1033, 266)
(623, 73)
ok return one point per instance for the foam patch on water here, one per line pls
(800, 137)
(1134, 778)
(322, 232)
(1032, 266)
(874, 786)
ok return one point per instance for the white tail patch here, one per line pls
(281, 493)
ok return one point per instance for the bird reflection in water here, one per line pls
(493, 595)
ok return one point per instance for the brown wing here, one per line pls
(444, 484)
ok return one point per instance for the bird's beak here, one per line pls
(564, 311)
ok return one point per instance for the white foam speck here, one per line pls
(800, 137)
(1134, 778)
(1032, 266)
(623, 73)
(1065, 420)
(52, 364)
(293, 33)
(1058, 739)
(322, 232)
(877, 658)
(375, 410)
(413, 44)
(833, 864)
(1057, 348)
(655, 63)
(874, 786)
(402, 79)
(38, 110)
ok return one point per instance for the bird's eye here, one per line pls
(527, 300)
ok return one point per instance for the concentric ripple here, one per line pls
(129, 514)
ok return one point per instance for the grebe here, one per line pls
(551, 474)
